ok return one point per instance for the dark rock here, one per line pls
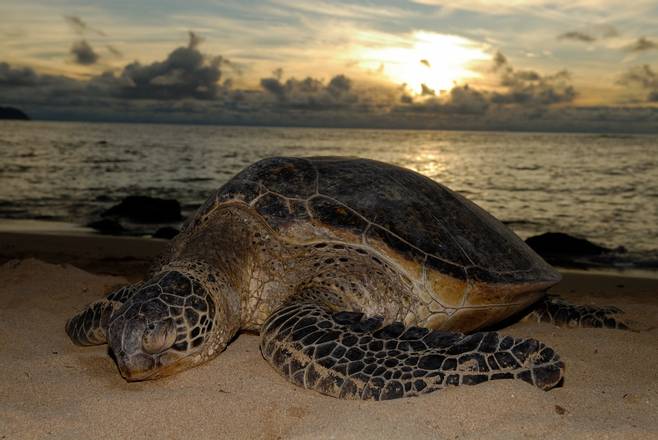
(166, 232)
(13, 113)
(103, 198)
(107, 226)
(559, 244)
(143, 209)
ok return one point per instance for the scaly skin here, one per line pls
(340, 318)
(347, 355)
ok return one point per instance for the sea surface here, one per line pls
(600, 187)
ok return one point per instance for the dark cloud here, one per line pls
(191, 87)
(185, 73)
(577, 36)
(273, 86)
(525, 91)
(80, 27)
(499, 61)
(595, 32)
(83, 53)
(643, 77)
(195, 40)
(640, 75)
(17, 76)
(527, 87)
(311, 93)
(426, 91)
(23, 86)
(642, 44)
(465, 99)
(339, 84)
(462, 100)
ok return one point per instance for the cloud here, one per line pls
(17, 77)
(83, 53)
(195, 40)
(527, 87)
(524, 91)
(554, 10)
(311, 93)
(642, 44)
(462, 100)
(499, 60)
(426, 91)
(277, 73)
(594, 33)
(114, 51)
(24, 86)
(643, 77)
(185, 73)
(80, 27)
(466, 100)
(577, 36)
(191, 87)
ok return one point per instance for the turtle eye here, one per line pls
(158, 336)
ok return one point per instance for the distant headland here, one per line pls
(13, 113)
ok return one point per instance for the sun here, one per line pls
(435, 61)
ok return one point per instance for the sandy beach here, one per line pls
(53, 389)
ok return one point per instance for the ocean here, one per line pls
(596, 186)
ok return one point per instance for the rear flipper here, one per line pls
(561, 313)
(89, 326)
(349, 356)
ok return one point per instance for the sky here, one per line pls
(548, 65)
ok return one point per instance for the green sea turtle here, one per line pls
(364, 279)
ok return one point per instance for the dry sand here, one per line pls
(53, 389)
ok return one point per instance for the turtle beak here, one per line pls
(135, 367)
(126, 344)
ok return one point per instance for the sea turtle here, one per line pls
(364, 279)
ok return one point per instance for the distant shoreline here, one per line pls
(386, 127)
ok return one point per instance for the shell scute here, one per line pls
(274, 209)
(331, 212)
(289, 176)
(407, 216)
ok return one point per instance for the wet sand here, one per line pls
(53, 389)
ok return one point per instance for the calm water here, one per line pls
(601, 187)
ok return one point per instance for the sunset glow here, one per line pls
(436, 60)
(476, 64)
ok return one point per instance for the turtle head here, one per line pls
(176, 320)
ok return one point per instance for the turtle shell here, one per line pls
(404, 213)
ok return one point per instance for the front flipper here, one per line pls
(88, 327)
(561, 313)
(349, 356)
